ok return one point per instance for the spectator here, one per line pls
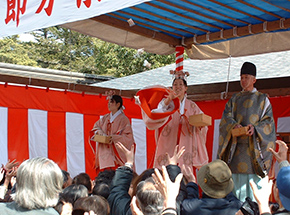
(98, 204)
(215, 180)
(103, 183)
(67, 180)
(167, 188)
(68, 197)
(105, 176)
(149, 199)
(39, 182)
(101, 189)
(84, 179)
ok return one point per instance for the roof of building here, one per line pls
(50, 74)
(270, 65)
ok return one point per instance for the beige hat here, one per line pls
(215, 179)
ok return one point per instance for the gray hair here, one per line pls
(39, 181)
(149, 199)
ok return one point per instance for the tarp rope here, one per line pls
(224, 94)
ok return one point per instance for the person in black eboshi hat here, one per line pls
(247, 155)
(249, 68)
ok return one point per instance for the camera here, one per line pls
(250, 208)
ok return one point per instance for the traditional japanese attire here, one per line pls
(119, 128)
(247, 156)
(174, 129)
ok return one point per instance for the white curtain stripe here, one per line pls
(283, 125)
(75, 151)
(37, 133)
(139, 132)
(3, 135)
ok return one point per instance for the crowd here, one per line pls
(39, 186)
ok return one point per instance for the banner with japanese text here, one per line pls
(19, 16)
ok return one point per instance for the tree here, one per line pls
(13, 52)
(63, 49)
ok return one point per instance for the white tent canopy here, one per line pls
(208, 29)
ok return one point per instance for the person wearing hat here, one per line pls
(281, 189)
(215, 180)
(247, 155)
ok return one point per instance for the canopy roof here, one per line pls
(209, 29)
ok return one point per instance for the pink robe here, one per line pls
(167, 131)
(107, 155)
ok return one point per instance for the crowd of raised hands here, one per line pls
(8, 174)
(167, 185)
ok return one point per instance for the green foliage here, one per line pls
(13, 52)
(63, 49)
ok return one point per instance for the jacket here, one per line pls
(207, 205)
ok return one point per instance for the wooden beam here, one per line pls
(203, 92)
(137, 30)
(73, 87)
(261, 84)
(271, 86)
(217, 96)
(238, 32)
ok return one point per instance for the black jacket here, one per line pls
(207, 205)
(120, 200)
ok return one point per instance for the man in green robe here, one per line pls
(247, 156)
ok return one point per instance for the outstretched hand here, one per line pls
(9, 165)
(282, 151)
(171, 95)
(262, 195)
(167, 188)
(9, 175)
(177, 154)
(188, 173)
(128, 154)
(134, 208)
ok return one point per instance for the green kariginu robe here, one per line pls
(247, 154)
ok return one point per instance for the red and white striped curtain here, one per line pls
(56, 124)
